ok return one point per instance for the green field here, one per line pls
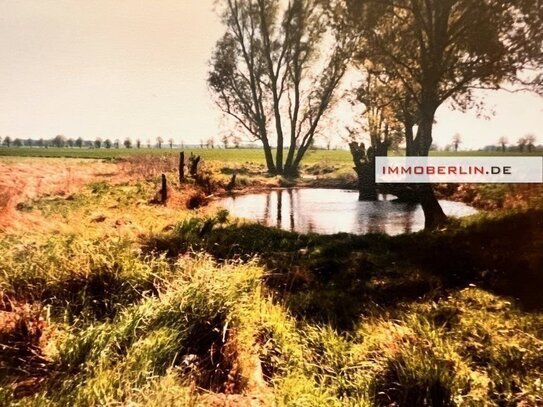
(253, 155)
(217, 154)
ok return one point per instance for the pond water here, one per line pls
(328, 211)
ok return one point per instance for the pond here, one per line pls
(329, 211)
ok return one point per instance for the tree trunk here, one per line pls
(290, 156)
(181, 167)
(269, 157)
(364, 165)
(434, 217)
(409, 140)
(279, 155)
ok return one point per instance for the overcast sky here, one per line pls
(137, 68)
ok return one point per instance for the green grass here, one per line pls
(244, 155)
(224, 155)
(199, 309)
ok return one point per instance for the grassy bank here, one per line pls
(110, 299)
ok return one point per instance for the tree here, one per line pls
(107, 143)
(29, 142)
(503, 141)
(58, 141)
(18, 142)
(138, 143)
(521, 142)
(272, 73)
(40, 143)
(530, 141)
(117, 143)
(225, 139)
(79, 142)
(70, 142)
(210, 143)
(159, 141)
(127, 143)
(456, 141)
(7, 141)
(441, 50)
(236, 140)
(327, 141)
(170, 142)
(148, 143)
(98, 143)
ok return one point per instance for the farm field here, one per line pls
(109, 297)
(219, 154)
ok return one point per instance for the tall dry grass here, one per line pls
(148, 166)
(7, 203)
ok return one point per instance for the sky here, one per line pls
(137, 68)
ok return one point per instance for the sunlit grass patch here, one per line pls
(79, 278)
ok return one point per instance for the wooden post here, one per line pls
(193, 168)
(164, 190)
(231, 185)
(181, 167)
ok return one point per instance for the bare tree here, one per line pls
(236, 140)
(225, 139)
(521, 142)
(170, 142)
(210, 142)
(159, 141)
(530, 141)
(503, 141)
(273, 75)
(456, 141)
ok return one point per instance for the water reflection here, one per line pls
(328, 211)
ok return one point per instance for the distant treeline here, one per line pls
(522, 144)
(61, 141)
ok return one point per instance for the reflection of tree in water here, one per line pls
(267, 208)
(279, 194)
(408, 217)
(291, 201)
(329, 211)
(279, 207)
